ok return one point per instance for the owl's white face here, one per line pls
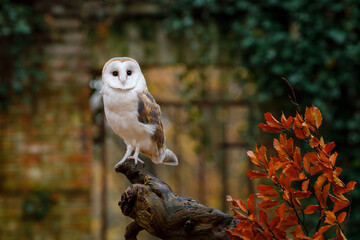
(122, 73)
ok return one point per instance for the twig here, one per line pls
(293, 98)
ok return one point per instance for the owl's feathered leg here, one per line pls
(136, 156)
(129, 149)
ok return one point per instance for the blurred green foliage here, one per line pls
(314, 44)
(18, 24)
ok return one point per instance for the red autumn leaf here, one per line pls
(325, 192)
(302, 194)
(237, 203)
(271, 121)
(332, 159)
(341, 217)
(311, 209)
(278, 148)
(275, 222)
(278, 163)
(286, 144)
(239, 215)
(268, 204)
(307, 159)
(281, 235)
(254, 159)
(267, 128)
(290, 221)
(266, 234)
(315, 170)
(339, 203)
(286, 122)
(297, 158)
(318, 190)
(263, 218)
(251, 203)
(329, 147)
(301, 130)
(280, 211)
(331, 177)
(299, 133)
(267, 192)
(261, 156)
(350, 186)
(292, 172)
(253, 174)
(314, 142)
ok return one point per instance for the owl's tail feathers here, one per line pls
(169, 158)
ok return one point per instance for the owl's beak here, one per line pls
(122, 79)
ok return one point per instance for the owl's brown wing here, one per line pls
(149, 113)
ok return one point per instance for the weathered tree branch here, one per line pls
(155, 208)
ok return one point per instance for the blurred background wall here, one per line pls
(214, 67)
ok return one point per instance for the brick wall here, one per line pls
(54, 181)
(46, 145)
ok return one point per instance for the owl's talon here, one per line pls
(136, 160)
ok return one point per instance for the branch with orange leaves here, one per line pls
(287, 170)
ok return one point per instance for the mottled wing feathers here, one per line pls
(149, 113)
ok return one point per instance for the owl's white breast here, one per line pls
(121, 110)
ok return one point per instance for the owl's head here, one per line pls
(123, 73)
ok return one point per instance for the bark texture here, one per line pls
(158, 210)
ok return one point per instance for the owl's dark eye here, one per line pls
(129, 72)
(115, 73)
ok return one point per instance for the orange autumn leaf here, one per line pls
(301, 129)
(311, 209)
(307, 159)
(271, 121)
(292, 175)
(305, 185)
(338, 203)
(314, 142)
(278, 147)
(341, 217)
(339, 235)
(268, 204)
(267, 192)
(286, 122)
(237, 203)
(321, 231)
(313, 118)
(287, 144)
(253, 174)
(330, 218)
(298, 233)
(254, 159)
(350, 186)
(297, 158)
(329, 147)
(332, 159)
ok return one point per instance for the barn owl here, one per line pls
(132, 112)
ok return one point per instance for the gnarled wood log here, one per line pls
(155, 208)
